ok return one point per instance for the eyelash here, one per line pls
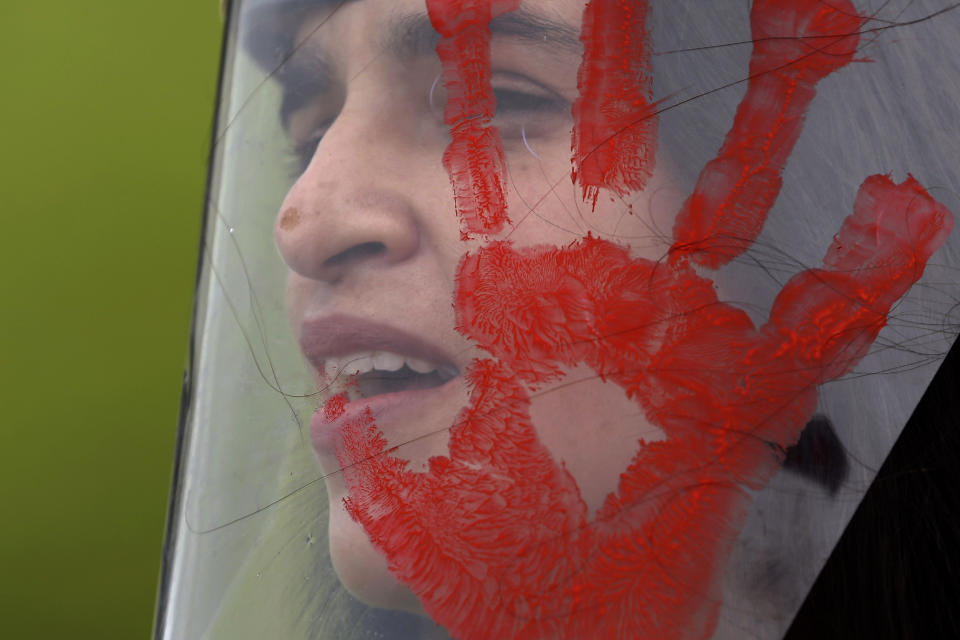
(303, 152)
(512, 100)
(512, 106)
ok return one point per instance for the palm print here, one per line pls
(494, 538)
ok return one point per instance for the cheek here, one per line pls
(592, 428)
(539, 186)
(360, 567)
(644, 222)
(545, 206)
(297, 294)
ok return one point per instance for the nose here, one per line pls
(351, 209)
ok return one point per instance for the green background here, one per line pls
(105, 115)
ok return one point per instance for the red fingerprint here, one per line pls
(474, 159)
(797, 43)
(615, 127)
(494, 538)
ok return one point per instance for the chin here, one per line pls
(361, 569)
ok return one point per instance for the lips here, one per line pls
(395, 375)
(339, 346)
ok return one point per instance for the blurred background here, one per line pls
(105, 118)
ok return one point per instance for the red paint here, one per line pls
(474, 159)
(615, 127)
(495, 539)
(334, 407)
(736, 190)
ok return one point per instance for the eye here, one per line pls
(527, 108)
(304, 150)
(511, 102)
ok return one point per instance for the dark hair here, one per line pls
(896, 571)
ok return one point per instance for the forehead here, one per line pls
(274, 28)
(404, 28)
(566, 10)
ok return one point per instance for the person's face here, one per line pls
(370, 235)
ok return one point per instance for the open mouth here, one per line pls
(375, 373)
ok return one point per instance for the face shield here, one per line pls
(555, 319)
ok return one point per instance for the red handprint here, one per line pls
(615, 131)
(474, 157)
(495, 539)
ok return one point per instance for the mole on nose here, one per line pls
(289, 219)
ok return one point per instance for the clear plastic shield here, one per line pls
(555, 318)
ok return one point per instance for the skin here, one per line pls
(376, 119)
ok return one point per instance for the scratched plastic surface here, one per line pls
(556, 319)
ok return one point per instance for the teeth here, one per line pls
(361, 363)
(385, 361)
(357, 364)
(420, 366)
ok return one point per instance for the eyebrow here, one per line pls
(413, 35)
(409, 36)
